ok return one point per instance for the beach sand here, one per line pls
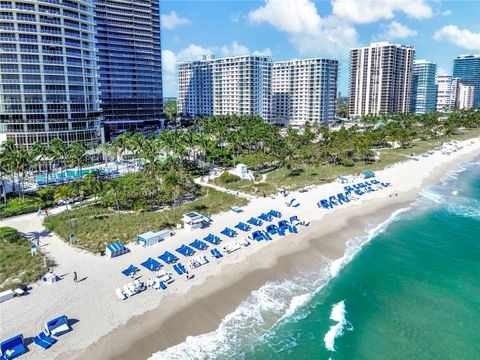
(108, 328)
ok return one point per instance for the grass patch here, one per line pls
(245, 186)
(95, 227)
(17, 266)
(18, 206)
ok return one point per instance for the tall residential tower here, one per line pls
(380, 79)
(48, 72)
(467, 68)
(304, 91)
(130, 63)
(424, 93)
(448, 89)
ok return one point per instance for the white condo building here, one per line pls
(235, 85)
(448, 89)
(380, 79)
(466, 97)
(304, 91)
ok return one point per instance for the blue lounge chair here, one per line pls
(177, 270)
(281, 231)
(292, 229)
(216, 253)
(182, 268)
(275, 213)
(272, 229)
(258, 235)
(168, 257)
(13, 347)
(185, 250)
(265, 217)
(44, 341)
(151, 264)
(359, 192)
(293, 218)
(228, 232)
(163, 286)
(254, 221)
(199, 245)
(267, 235)
(58, 326)
(242, 226)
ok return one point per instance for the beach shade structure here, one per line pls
(115, 249)
(185, 250)
(151, 238)
(151, 264)
(272, 229)
(254, 221)
(168, 257)
(199, 245)
(216, 253)
(57, 326)
(229, 232)
(13, 347)
(275, 213)
(242, 226)
(265, 217)
(368, 174)
(258, 235)
(129, 270)
(44, 341)
(212, 239)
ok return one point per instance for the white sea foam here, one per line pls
(268, 306)
(338, 314)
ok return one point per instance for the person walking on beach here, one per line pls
(75, 277)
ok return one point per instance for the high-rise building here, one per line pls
(447, 92)
(466, 97)
(304, 91)
(130, 63)
(467, 68)
(424, 88)
(48, 72)
(234, 85)
(380, 79)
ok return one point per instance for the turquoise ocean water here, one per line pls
(409, 290)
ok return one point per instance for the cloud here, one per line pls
(446, 13)
(396, 30)
(308, 32)
(172, 20)
(236, 17)
(369, 11)
(195, 52)
(462, 38)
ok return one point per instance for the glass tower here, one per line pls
(48, 72)
(424, 96)
(467, 68)
(130, 64)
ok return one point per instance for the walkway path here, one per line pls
(229, 191)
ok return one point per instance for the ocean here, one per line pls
(410, 289)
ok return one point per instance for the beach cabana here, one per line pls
(254, 221)
(283, 224)
(199, 245)
(272, 229)
(242, 226)
(258, 235)
(193, 220)
(185, 250)
(13, 347)
(115, 249)
(129, 270)
(212, 239)
(168, 257)
(151, 238)
(57, 326)
(151, 264)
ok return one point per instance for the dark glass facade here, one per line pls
(467, 68)
(130, 64)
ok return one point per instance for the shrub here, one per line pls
(20, 206)
(227, 178)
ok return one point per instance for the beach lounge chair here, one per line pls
(44, 341)
(254, 221)
(58, 326)
(231, 247)
(168, 257)
(120, 294)
(275, 213)
(272, 229)
(236, 209)
(13, 347)
(229, 232)
(199, 245)
(128, 291)
(177, 270)
(212, 239)
(182, 268)
(162, 285)
(185, 250)
(258, 235)
(242, 226)
(265, 217)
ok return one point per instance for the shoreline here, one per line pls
(152, 332)
(147, 323)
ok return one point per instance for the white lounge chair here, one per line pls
(127, 291)
(120, 294)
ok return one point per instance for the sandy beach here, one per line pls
(108, 328)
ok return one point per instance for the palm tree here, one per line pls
(76, 154)
(92, 184)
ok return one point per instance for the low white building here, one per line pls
(241, 170)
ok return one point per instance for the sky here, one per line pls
(298, 29)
